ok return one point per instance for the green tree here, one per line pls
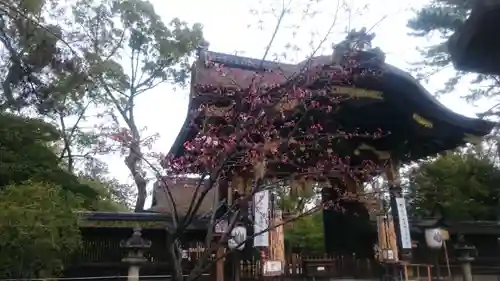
(26, 154)
(41, 72)
(462, 186)
(116, 33)
(38, 229)
(306, 235)
(82, 62)
(37, 70)
(38, 199)
(111, 194)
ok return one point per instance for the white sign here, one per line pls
(238, 236)
(388, 254)
(261, 218)
(404, 225)
(272, 268)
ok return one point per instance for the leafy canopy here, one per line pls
(25, 147)
(462, 186)
(306, 235)
(102, 55)
(38, 71)
(38, 229)
(116, 35)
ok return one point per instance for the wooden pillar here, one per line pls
(277, 240)
(222, 188)
(386, 236)
(400, 221)
(219, 266)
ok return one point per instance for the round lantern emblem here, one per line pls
(238, 236)
(434, 238)
(438, 237)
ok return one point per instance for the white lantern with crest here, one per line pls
(238, 236)
(434, 238)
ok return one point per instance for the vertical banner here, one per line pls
(261, 218)
(404, 225)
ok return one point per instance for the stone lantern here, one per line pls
(465, 255)
(135, 247)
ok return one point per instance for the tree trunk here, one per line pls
(175, 258)
(133, 161)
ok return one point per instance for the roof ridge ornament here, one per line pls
(357, 41)
(202, 50)
(360, 40)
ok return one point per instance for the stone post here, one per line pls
(465, 255)
(135, 247)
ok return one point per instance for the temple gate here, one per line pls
(372, 116)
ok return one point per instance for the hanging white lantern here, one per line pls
(434, 238)
(238, 236)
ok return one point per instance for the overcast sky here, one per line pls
(226, 26)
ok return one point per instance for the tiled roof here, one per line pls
(240, 77)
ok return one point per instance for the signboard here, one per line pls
(261, 218)
(272, 268)
(404, 225)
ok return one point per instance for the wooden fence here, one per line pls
(101, 255)
(351, 267)
(317, 266)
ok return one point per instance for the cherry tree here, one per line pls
(276, 124)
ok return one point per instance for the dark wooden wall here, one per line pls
(101, 253)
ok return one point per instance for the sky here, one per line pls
(246, 27)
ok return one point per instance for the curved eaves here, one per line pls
(416, 98)
(177, 146)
